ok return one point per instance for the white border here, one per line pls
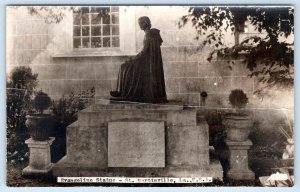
(3, 186)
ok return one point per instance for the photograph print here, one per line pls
(114, 95)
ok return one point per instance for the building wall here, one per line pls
(45, 48)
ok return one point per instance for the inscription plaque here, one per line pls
(136, 144)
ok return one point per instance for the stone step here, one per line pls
(63, 169)
(100, 115)
(136, 106)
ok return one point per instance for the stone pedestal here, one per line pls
(40, 157)
(238, 160)
(137, 140)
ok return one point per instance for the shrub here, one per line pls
(20, 89)
(65, 113)
(238, 99)
(41, 102)
(217, 133)
(66, 108)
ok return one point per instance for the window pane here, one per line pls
(86, 42)
(96, 31)
(96, 42)
(96, 9)
(84, 10)
(115, 42)
(76, 19)
(76, 42)
(86, 31)
(114, 9)
(106, 30)
(77, 10)
(115, 30)
(115, 18)
(85, 19)
(106, 19)
(76, 31)
(106, 41)
(105, 10)
(96, 19)
(100, 10)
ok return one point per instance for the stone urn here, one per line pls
(237, 126)
(238, 123)
(39, 126)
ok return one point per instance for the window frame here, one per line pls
(239, 36)
(90, 25)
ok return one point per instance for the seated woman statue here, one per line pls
(141, 79)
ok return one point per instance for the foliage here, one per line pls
(267, 142)
(268, 182)
(41, 102)
(288, 133)
(66, 108)
(214, 117)
(20, 88)
(238, 99)
(217, 133)
(55, 14)
(269, 57)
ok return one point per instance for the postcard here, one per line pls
(148, 95)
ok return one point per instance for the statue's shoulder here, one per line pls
(153, 32)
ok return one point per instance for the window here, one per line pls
(97, 31)
(246, 30)
(96, 27)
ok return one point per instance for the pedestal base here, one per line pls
(240, 174)
(30, 171)
(238, 160)
(40, 157)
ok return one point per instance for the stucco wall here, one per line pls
(34, 43)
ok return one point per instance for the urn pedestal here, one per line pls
(40, 158)
(238, 160)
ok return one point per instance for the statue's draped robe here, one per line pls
(141, 79)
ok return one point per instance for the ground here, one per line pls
(15, 178)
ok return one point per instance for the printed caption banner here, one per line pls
(134, 179)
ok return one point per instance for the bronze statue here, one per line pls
(141, 79)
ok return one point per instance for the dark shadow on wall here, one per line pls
(217, 135)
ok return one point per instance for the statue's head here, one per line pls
(144, 23)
